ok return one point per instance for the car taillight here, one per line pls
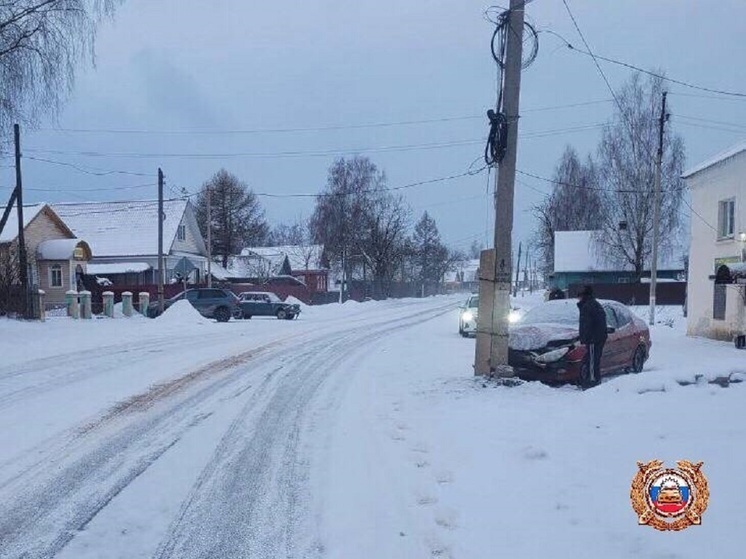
(576, 353)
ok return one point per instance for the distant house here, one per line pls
(308, 263)
(464, 277)
(579, 259)
(56, 258)
(124, 240)
(717, 245)
(252, 266)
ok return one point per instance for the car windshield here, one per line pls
(473, 303)
(273, 298)
(555, 312)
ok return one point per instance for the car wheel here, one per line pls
(638, 360)
(282, 314)
(222, 314)
(247, 317)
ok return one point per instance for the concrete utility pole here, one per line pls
(209, 237)
(657, 210)
(160, 241)
(22, 259)
(492, 353)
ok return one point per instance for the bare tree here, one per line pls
(237, 217)
(575, 204)
(293, 234)
(627, 155)
(344, 204)
(41, 43)
(383, 240)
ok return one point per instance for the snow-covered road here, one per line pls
(356, 431)
(224, 447)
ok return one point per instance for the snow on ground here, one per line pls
(356, 431)
(182, 313)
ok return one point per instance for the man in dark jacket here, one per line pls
(593, 335)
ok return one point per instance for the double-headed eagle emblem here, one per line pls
(669, 499)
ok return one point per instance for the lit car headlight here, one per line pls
(514, 316)
(552, 356)
(468, 315)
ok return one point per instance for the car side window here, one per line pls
(622, 317)
(192, 295)
(610, 317)
(211, 294)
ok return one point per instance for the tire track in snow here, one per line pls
(42, 509)
(253, 499)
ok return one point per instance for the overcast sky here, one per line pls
(197, 76)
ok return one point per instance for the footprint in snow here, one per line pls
(533, 453)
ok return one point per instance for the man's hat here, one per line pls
(586, 291)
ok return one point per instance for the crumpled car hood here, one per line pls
(537, 336)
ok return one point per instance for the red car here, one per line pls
(545, 346)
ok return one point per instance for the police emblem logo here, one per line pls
(669, 498)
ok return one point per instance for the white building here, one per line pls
(718, 232)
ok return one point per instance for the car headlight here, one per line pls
(468, 315)
(514, 316)
(552, 356)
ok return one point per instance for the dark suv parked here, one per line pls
(220, 304)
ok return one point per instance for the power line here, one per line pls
(309, 153)
(688, 205)
(587, 46)
(249, 131)
(87, 170)
(585, 187)
(596, 57)
(403, 147)
(64, 189)
(706, 127)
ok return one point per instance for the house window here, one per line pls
(181, 232)
(55, 276)
(718, 302)
(622, 279)
(726, 218)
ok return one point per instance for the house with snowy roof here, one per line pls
(715, 301)
(307, 263)
(580, 258)
(57, 258)
(124, 239)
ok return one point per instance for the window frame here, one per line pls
(56, 268)
(181, 232)
(726, 219)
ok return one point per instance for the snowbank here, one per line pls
(182, 312)
(294, 301)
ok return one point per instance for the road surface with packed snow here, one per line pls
(355, 431)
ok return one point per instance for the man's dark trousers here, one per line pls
(592, 363)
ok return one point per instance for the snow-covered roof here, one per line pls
(122, 228)
(719, 158)
(10, 231)
(582, 251)
(117, 268)
(60, 249)
(253, 266)
(300, 257)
